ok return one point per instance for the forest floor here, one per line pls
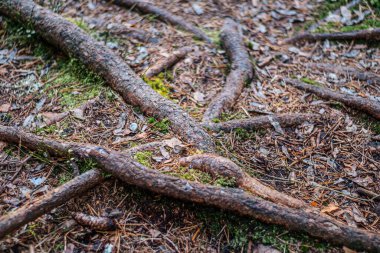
(322, 163)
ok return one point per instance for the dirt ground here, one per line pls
(323, 163)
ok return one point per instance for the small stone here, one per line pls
(133, 127)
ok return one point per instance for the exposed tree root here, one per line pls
(370, 34)
(94, 222)
(164, 15)
(336, 12)
(168, 62)
(363, 104)
(258, 122)
(108, 65)
(49, 201)
(369, 77)
(220, 166)
(235, 200)
(241, 71)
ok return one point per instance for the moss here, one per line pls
(242, 134)
(225, 182)
(310, 81)
(366, 24)
(145, 158)
(158, 84)
(80, 23)
(65, 177)
(161, 126)
(87, 164)
(370, 123)
(192, 175)
(329, 6)
(75, 84)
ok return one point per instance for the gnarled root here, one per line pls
(220, 166)
(370, 34)
(366, 105)
(258, 122)
(241, 71)
(49, 201)
(235, 200)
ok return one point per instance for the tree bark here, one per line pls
(363, 104)
(49, 201)
(235, 200)
(72, 40)
(168, 62)
(370, 34)
(164, 15)
(241, 71)
(260, 122)
(220, 166)
(369, 77)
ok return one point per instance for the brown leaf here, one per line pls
(330, 208)
(5, 107)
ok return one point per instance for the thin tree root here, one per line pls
(235, 200)
(49, 201)
(168, 62)
(363, 104)
(259, 122)
(220, 166)
(241, 71)
(164, 15)
(369, 77)
(370, 34)
(72, 40)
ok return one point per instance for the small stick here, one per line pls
(363, 104)
(259, 122)
(369, 34)
(241, 71)
(168, 62)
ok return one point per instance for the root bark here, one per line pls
(363, 104)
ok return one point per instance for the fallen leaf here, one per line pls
(330, 208)
(5, 107)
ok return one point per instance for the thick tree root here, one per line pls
(220, 166)
(168, 62)
(164, 15)
(369, 77)
(363, 104)
(49, 201)
(259, 122)
(94, 222)
(241, 71)
(370, 34)
(235, 200)
(112, 68)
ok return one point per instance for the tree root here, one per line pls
(107, 64)
(241, 71)
(259, 122)
(164, 15)
(235, 200)
(370, 34)
(369, 77)
(363, 104)
(220, 166)
(167, 63)
(49, 201)
(94, 222)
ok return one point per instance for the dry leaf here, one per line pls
(5, 107)
(330, 208)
